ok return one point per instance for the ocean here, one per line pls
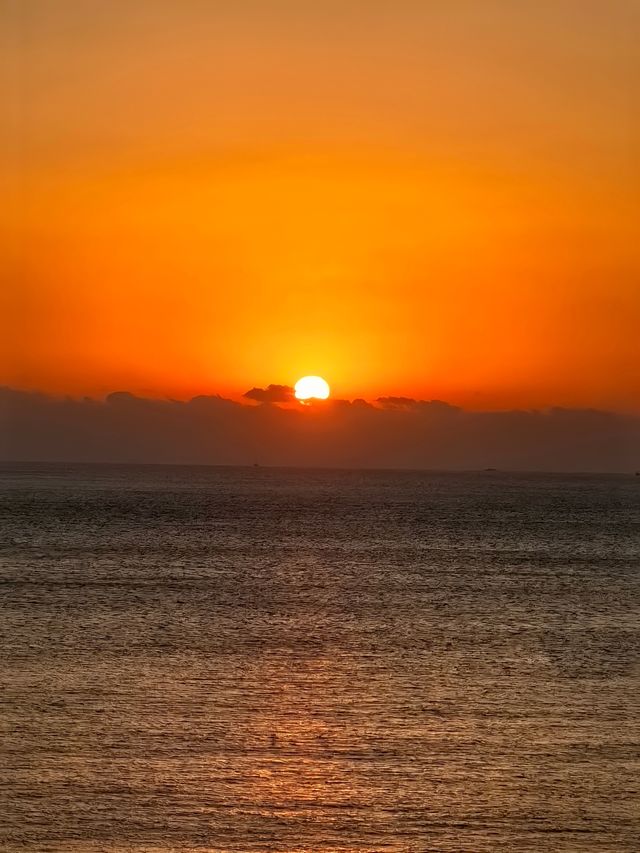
(256, 659)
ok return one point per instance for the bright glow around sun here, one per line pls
(311, 387)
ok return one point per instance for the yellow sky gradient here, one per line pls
(429, 199)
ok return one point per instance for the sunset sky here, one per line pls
(430, 199)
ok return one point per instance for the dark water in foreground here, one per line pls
(253, 660)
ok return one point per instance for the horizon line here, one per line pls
(338, 468)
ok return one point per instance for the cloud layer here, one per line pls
(270, 394)
(393, 432)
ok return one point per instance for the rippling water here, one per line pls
(202, 659)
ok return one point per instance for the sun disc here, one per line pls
(311, 388)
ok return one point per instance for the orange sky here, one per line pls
(429, 199)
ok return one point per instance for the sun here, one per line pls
(311, 388)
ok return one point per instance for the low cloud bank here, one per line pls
(394, 432)
(270, 394)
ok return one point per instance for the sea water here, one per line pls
(254, 659)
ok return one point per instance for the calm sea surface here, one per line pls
(210, 659)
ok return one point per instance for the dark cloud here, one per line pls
(396, 402)
(410, 403)
(213, 430)
(270, 394)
